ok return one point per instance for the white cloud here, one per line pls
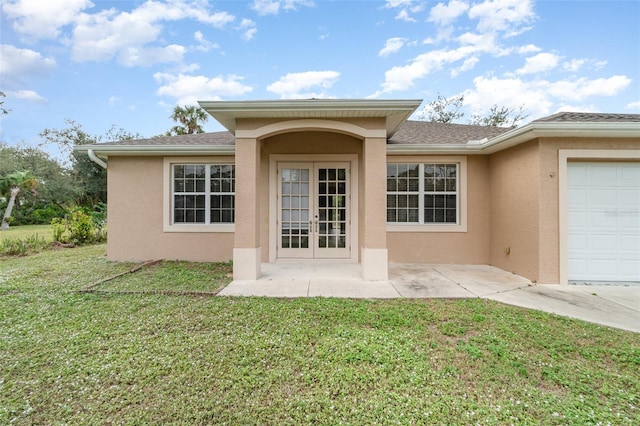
(299, 85)
(529, 48)
(540, 97)
(508, 16)
(633, 105)
(392, 46)
(113, 100)
(39, 19)
(573, 65)
(539, 63)
(204, 45)
(20, 63)
(127, 36)
(467, 65)
(188, 89)
(582, 88)
(445, 14)
(272, 7)
(249, 29)
(407, 7)
(27, 95)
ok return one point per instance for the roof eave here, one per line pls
(524, 134)
(396, 111)
(114, 150)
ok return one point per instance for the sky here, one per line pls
(128, 63)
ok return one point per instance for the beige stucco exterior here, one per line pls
(135, 213)
(511, 198)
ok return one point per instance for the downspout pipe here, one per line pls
(99, 161)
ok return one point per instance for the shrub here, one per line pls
(22, 246)
(80, 226)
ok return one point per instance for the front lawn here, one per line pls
(113, 358)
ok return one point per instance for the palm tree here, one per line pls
(11, 185)
(190, 118)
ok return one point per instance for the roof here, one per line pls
(408, 137)
(199, 139)
(433, 133)
(589, 117)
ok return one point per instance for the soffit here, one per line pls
(395, 112)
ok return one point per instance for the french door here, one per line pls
(314, 211)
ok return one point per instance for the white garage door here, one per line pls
(603, 222)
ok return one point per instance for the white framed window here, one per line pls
(203, 193)
(425, 194)
(199, 195)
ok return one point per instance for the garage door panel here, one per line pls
(577, 197)
(603, 197)
(629, 268)
(578, 219)
(629, 198)
(629, 243)
(603, 220)
(577, 243)
(604, 243)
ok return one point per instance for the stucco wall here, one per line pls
(471, 247)
(514, 175)
(135, 209)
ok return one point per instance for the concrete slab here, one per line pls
(614, 306)
(267, 288)
(431, 288)
(567, 302)
(628, 296)
(352, 289)
(482, 280)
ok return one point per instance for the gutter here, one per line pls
(108, 150)
(96, 159)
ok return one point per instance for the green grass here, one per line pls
(25, 231)
(77, 358)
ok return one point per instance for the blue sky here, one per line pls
(127, 63)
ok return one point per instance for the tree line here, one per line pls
(36, 188)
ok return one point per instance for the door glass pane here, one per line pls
(294, 207)
(332, 214)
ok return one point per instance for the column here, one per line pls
(246, 251)
(374, 244)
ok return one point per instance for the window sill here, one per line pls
(396, 227)
(185, 228)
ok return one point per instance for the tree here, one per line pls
(57, 187)
(90, 177)
(190, 119)
(10, 186)
(444, 110)
(500, 116)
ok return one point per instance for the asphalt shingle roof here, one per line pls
(409, 132)
(589, 117)
(432, 133)
(212, 138)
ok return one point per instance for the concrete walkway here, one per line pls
(614, 306)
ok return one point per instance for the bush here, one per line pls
(80, 227)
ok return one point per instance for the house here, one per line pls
(556, 200)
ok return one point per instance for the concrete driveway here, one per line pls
(614, 306)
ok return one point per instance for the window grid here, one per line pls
(422, 193)
(203, 193)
